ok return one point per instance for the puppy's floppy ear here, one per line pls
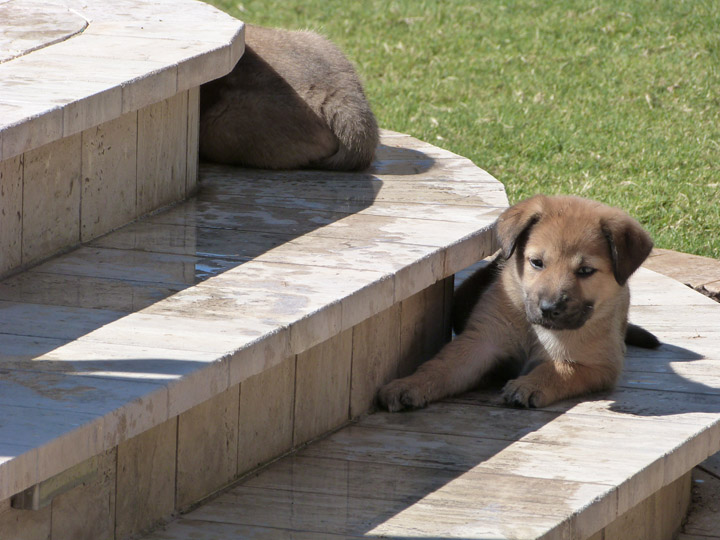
(517, 220)
(629, 244)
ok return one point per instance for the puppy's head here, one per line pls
(572, 256)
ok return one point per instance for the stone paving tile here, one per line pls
(693, 270)
(83, 291)
(11, 213)
(703, 275)
(35, 26)
(18, 466)
(141, 71)
(703, 518)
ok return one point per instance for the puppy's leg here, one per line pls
(552, 380)
(459, 366)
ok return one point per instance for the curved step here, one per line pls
(144, 325)
(613, 465)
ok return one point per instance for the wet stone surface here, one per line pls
(159, 311)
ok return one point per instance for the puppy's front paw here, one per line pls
(523, 392)
(401, 394)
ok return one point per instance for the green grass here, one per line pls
(616, 101)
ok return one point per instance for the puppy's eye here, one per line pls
(536, 263)
(586, 271)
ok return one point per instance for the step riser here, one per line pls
(659, 517)
(100, 179)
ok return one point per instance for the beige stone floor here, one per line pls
(703, 520)
(702, 274)
(417, 474)
(91, 62)
(35, 25)
(221, 288)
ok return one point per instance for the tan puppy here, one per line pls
(556, 314)
(292, 101)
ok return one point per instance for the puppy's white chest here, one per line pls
(553, 345)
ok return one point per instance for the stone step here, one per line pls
(609, 466)
(99, 114)
(181, 351)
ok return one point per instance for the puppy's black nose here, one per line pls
(552, 308)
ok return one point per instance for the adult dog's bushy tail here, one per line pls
(341, 102)
(353, 123)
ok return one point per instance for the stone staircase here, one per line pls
(148, 368)
(148, 365)
(609, 466)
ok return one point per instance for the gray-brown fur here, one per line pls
(292, 101)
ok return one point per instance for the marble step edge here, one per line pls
(69, 86)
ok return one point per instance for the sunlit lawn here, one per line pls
(617, 101)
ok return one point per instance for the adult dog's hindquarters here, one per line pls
(292, 101)
(556, 314)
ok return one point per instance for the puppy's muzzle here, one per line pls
(553, 309)
(559, 313)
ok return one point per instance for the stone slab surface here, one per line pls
(68, 65)
(11, 171)
(51, 198)
(146, 473)
(35, 25)
(207, 447)
(700, 273)
(470, 467)
(128, 331)
(703, 275)
(703, 521)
